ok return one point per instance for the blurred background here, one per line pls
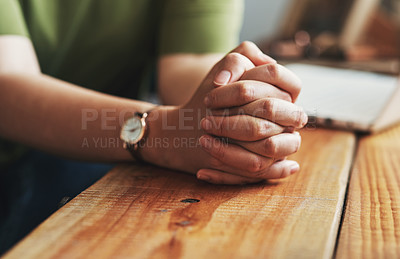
(355, 32)
(262, 18)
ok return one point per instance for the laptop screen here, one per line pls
(349, 96)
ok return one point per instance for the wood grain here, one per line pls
(371, 226)
(136, 212)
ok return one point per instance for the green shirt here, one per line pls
(107, 45)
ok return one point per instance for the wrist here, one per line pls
(157, 147)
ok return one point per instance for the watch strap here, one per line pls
(135, 148)
(135, 151)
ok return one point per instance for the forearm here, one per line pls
(179, 75)
(61, 118)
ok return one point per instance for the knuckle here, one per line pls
(273, 71)
(247, 45)
(304, 117)
(270, 147)
(255, 165)
(246, 92)
(297, 118)
(293, 148)
(219, 151)
(233, 58)
(270, 108)
(258, 129)
(215, 163)
(284, 171)
(286, 97)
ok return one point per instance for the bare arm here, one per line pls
(54, 115)
(179, 75)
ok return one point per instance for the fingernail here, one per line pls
(223, 77)
(207, 101)
(206, 124)
(294, 169)
(267, 58)
(205, 142)
(203, 177)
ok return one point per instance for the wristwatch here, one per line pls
(133, 132)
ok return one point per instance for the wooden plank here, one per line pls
(371, 226)
(137, 212)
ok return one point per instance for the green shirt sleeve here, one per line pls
(11, 18)
(200, 26)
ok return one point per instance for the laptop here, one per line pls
(348, 99)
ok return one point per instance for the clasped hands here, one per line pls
(243, 118)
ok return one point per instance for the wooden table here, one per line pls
(147, 212)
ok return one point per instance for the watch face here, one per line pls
(132, 131)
